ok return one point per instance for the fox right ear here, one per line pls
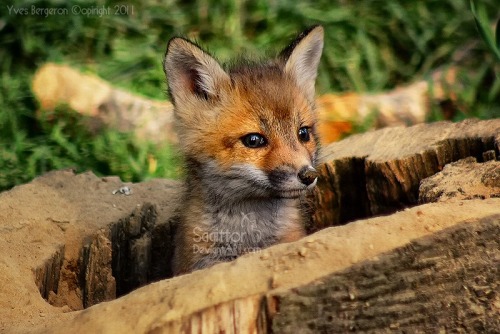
(302, 58)
(191, 72)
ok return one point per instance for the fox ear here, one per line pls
(302, 58)
(192, 72)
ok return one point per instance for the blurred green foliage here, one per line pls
(491, 39)
(370, 45)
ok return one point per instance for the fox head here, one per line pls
(250, 128)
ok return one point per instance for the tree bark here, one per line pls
(380, 172)
(70, 241)
(445, 282)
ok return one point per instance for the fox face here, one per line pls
(249, 130)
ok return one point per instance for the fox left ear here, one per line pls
(192, 73)
(302, 58)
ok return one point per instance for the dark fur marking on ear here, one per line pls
(189, 67)
(196, 86)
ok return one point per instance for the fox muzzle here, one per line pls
(307, 175)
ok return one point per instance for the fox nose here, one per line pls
(307, 175)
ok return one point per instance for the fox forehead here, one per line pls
(264, 97)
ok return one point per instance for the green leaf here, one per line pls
(481, 19)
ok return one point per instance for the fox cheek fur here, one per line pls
(248, 136)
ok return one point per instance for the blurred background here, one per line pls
(370, 46)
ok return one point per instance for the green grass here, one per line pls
(370, 46)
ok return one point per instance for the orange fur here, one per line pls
(251, 194)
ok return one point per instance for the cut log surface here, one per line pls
(72, 249)
(379, 172)
(441, 283)
(408, 270)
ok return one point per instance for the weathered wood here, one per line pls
(57, 243)
(436, 269)
(464, 179)
(67, 239)
(99, 284)
(104, 104)
(448, 281)
(405, 105)
(47, 274)
(379, 172)
(246, 315)
(89, 95)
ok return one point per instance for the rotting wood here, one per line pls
(99, 284)
(47, 274)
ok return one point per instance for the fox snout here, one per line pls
(308, 175)
(288, 182)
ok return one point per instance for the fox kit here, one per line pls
(248, 136)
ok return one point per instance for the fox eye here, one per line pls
(253, 140)
(305, 134)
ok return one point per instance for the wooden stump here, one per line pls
(444, 282)
(379, 172)
(69, 242)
